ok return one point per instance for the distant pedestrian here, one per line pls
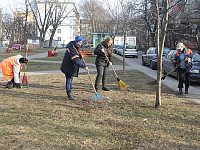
(102, 64)
(11, 68)
(71, 63)
(184, 69)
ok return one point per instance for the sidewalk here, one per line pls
(194, 93)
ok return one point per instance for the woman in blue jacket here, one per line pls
(71, 63)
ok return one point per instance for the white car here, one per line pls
(131, 50)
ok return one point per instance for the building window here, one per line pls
(59, 31)
(59, 38)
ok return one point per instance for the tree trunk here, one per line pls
(158, 85)
(159, 61)
(123, 52)
(41, 40)
(51, 38)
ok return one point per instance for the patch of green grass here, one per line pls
(89, 59)
(22, 52)
(41, 66)
(42, 117)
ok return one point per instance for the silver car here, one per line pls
(130, 50)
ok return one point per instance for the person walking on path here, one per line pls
(102, 64)
(71, 63)
(184, 69)
(11, 68)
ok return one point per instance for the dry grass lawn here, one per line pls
(41, 116)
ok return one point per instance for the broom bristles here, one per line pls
(122, 85)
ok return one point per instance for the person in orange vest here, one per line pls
(184, 69)
(11, 68)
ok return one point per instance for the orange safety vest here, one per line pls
(7, 67)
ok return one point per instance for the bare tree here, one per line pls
(7, 26)
(42, 17)
(126, 18)
(59, 15)
(162, 10)
(96, 14)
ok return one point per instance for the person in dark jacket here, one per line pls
(184, 69)
(71, 63)
(102, 64)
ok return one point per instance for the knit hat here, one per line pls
(78, 39)
(23, 60)
(180, 45)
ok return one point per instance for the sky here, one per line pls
(9, 6)
(13, 5)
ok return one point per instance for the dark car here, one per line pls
(86, 45)
(150, 57)
(120, 50)
(115, 47)
(16, 46)
(195, 71)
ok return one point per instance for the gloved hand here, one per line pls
(18, 85)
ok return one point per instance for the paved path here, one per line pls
(194, 93)
(171, 83)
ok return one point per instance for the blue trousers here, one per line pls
(68, 82)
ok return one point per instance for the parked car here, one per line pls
(87, 45)
(120, 49)
(16, 46)
(150, 57)
(63, 45)
(115, 47)
(194, 73)
(23, 46)
(130, 50)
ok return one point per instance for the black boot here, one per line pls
(9, 84)
(186, 90)
(180, 92)
(105, 89)
(70, 96)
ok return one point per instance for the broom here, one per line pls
(24, 80)
(122, 85)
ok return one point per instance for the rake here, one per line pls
(96, 95)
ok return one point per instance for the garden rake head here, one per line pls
(97, 96)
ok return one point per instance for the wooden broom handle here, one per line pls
(111, 65)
